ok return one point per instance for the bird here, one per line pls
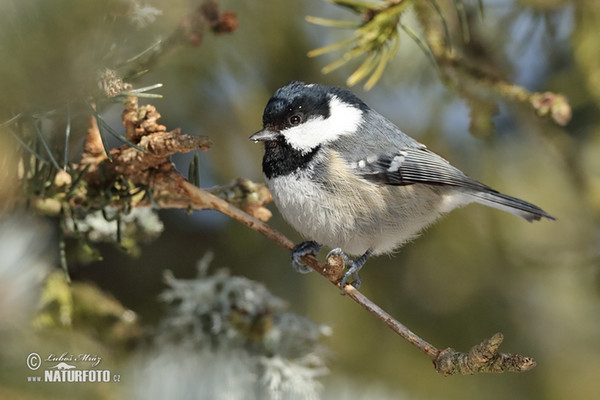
(346, 177)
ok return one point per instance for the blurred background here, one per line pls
(476, 272)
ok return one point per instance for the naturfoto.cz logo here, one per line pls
(65, 368)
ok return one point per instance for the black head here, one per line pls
(298, 102)
(299, 119)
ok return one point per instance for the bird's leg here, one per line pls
(353, 266)
(302, 249)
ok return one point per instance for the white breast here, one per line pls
(351, 213)
(302, 203)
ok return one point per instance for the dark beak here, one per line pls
(264, 135)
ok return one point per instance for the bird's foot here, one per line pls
(353, 267)
(300, 250)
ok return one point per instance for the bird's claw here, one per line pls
(353, 267)
(300, 250)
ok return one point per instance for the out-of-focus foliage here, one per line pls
(23, 267)
(27, 251)
(227, 337)
(377, 38)
(139, 224)
(585, 48)
(55, 51)
(477, 272)
(84, 307)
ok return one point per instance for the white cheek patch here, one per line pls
(343, 120)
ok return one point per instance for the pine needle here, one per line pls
(365, 69)
(45, 144)
(332, 23)
(104, 125)
(26, 147)
(67, 136)
(438, 11)
(193, 171)
(141, 92)
(331, 47)
(10, 121)
(464, 21)
(384, 58)
(342, 61)
(424, 47)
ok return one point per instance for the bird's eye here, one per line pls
(295, 120)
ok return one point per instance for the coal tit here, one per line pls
(344, 176)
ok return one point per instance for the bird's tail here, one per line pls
(512, 205)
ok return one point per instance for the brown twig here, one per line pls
(483, 357)
(153, 169)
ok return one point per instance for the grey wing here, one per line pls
(417, 165)
(383, 154)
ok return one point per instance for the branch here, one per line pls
(483, 357)
(478, 83)
(153, 170)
